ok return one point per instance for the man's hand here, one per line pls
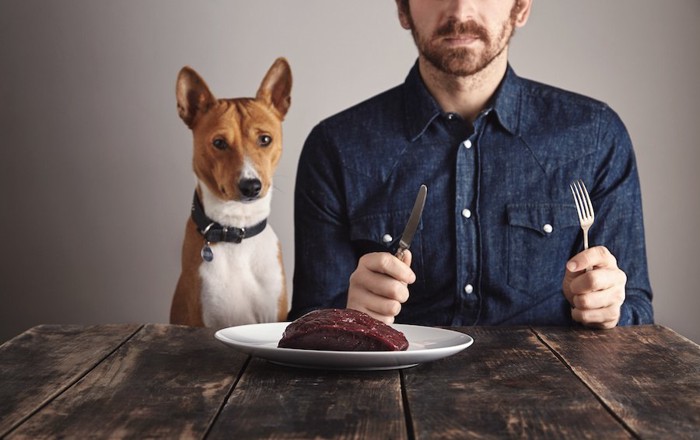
(379, 285)
(597, 295)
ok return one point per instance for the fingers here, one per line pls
(601, 318)
(379, 285)
(379, 307)
(597, 256)
(599, 309)
(596, 296)
(597, 299)
(597, 280)
(386, 264)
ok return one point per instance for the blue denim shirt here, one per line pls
(499, 222)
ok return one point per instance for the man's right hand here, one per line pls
(379, 285)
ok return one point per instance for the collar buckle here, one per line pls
(240, 235)
(214, 232)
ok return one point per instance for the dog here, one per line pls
(232, 269)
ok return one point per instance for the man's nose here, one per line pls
(462, 10)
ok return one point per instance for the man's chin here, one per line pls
(458, 62)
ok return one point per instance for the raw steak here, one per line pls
(342, 330)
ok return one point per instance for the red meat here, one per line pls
(341, 330)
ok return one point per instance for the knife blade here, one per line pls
(413, 221)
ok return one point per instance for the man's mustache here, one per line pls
(455, 28)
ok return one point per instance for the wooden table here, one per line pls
(146, 381)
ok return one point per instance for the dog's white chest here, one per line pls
(243, 282)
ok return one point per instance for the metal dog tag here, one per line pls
(207, 254)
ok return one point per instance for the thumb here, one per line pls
(579, 262)
(407, 257)
(574, 265)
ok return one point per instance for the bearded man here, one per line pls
(499, 242)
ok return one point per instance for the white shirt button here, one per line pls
(547, 228)
(468, 288)
(387, 238)
(466, 213)
(467, 144)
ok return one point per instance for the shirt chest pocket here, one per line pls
(540, 241)
(382, 232)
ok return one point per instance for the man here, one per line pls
(499, 242)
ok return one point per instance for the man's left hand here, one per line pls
(597, 295)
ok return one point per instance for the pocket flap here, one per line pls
(384, 228)
(543, 218)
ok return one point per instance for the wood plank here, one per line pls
(649, 376)
(507, 384)
(167, 382)
(42, 362)
(272, 401)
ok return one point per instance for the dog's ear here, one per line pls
(193, 95)
(276, 87)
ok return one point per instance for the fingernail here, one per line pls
(571, 266)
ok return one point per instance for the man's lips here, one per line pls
(461, 39)
(462, 33)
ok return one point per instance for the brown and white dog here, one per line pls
(232, 270)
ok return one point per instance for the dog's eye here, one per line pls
(220, 144)
(264, 140)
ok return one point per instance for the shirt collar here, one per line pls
(421, 109)
(506, 101)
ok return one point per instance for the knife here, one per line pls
(413, 220)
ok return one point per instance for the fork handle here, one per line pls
(585, 245)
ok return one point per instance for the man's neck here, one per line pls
(466, 96)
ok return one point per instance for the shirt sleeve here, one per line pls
(324, 258)
(619, 221)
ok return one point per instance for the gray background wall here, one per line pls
(95, 174)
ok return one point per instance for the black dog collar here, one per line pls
(214, 232)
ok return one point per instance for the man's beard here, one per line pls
(462, 61)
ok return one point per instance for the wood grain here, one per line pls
(649, 376)
(272, 401)
(507, 384)
(167, 382)
(42, 362)
(164, 381)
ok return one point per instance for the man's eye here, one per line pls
(264, 140)
(220, 144)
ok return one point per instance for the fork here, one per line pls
(584, 207)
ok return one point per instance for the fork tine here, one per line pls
(574, 191)
(584, 208)
(583, 201)
(589, 205)
(579, 199)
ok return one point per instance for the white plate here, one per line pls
(424, 344)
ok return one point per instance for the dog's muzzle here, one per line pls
(250, 188)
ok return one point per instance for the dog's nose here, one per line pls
(250, 188)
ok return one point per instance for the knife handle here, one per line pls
(400, 253)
